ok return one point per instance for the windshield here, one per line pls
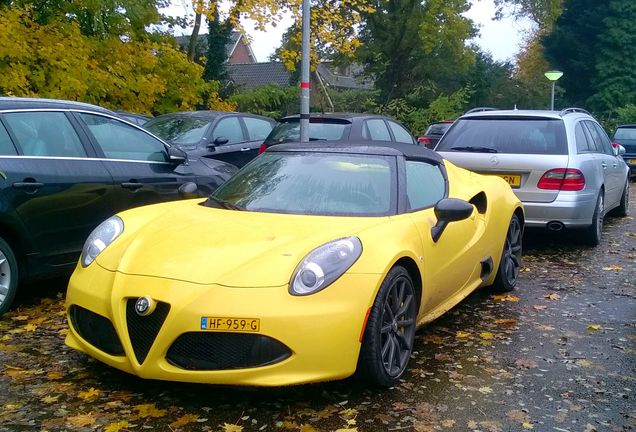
(336, 184)
(506, 135)
(319, 129)
(185, 130)
(438, 129)
(628, 134)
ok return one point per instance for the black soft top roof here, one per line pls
(12, 103)
(380, 148)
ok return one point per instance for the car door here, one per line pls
(608, 163)
(230, 142)
(257, 130)
(58, 189)
(138, 162)
(452, 261)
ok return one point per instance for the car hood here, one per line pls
(216, 246)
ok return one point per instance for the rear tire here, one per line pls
(390, 332)
(510, 263)
(623, 207)
(8, 276)
(594, 232)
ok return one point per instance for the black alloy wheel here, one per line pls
(510, 263)
(390, 333)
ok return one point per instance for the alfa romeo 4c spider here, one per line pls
(312, 263)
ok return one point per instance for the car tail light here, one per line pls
(616, 144)
(425, 141)
(262, 148)
(566, 179)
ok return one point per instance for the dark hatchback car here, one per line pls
(343, 127)
(64, 168)
(227, 136)
(134, 118)
(434, 133)
(625, 135)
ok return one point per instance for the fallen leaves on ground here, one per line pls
(81, 420)
(504, 297)
(552, 296)
(118, 426)
(149, 410)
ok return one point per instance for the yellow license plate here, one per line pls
(231, 324)
(513, 180)
(631, 161)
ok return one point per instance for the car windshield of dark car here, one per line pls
(437, 129)
(184, 130)
(311, 183)
(514, 135)
(626, 136)
(319, 129)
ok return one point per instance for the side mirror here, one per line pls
(177, 155)
(449, 210)
(221, 140)
(188, 190)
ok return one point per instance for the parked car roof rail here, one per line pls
(572, 111)
(480, 109)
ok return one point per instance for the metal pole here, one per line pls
(304, 78)
(552, 99)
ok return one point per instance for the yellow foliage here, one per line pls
(55, 60)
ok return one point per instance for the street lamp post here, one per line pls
(553, 76)
(304, 75)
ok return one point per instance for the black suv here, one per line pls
(67, 166)
(228, 136)
(343, 127)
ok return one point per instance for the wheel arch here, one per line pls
(416, 276)
(11, 235)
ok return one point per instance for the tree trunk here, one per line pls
(192, 45)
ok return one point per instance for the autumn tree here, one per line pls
(57, 60)
(542, 12)
(409, 44)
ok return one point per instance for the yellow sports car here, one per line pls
(309, 264)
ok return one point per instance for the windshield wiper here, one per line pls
(221, 203)
(475, 149)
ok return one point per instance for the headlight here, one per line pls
(322, 266)
(100, 238)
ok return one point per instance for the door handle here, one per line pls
(614, 165)
(245, 149)
(133, 186)
(28, 185)
(604, 165)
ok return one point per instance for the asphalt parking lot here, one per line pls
(558, 354)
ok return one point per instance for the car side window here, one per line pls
(119, 140)
(582, 144)
(257, 129)
(425, 185)
(605, 141)
(6, 145)
(597, 137)
(45, 133)
(230, 128)
(401, 135)
(378, 130)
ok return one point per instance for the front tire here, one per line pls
(390, 333)
(510, 263)
(623, 207)
(8, 276)
(595, 231)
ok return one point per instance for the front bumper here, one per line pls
(572, 209)
(322, 331)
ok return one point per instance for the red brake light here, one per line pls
(262, 148)
(566, 179)
(615, 144)
(424, 140)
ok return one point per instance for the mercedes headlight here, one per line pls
(100, 238)
(322, 266)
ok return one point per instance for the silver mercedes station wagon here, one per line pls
(561, 165)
